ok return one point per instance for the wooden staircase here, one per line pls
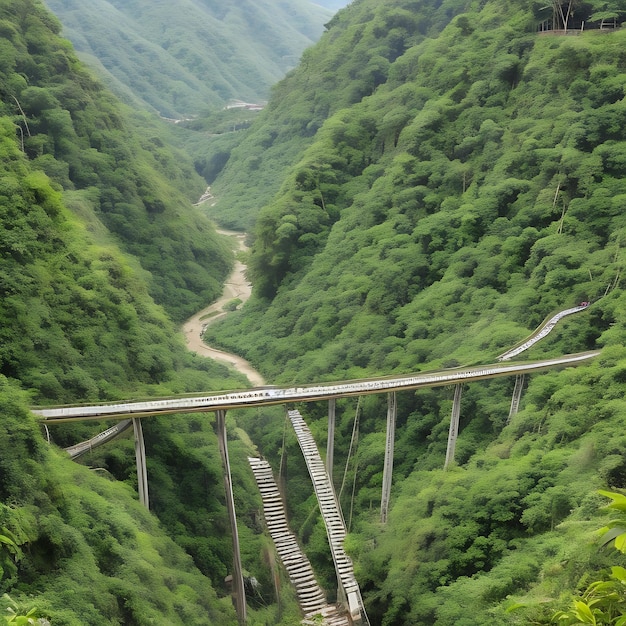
(333, 519)
(310, 596)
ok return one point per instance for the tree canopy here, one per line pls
(463, 181)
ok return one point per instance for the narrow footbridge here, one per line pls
(310, 595)
(333, 519)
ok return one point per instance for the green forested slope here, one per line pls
(114, 169)
(449, 179)
(465, 186)
(348, 65)
(79, 323)
(85, 551)
(178, 58)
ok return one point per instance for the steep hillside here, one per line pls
(79, 549)
(113, 169)
(351, 61)
(78, 323)
(178, 58)
(451, 179)
(438, 179)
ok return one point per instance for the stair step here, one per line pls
(311, 598)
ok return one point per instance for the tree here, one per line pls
(605, 11)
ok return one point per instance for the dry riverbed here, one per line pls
(236, 287)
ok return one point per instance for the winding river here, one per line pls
(236, 286)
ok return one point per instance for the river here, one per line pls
(236, 286)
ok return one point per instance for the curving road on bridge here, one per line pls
(309, 595)
(546, 327)
(109, 434)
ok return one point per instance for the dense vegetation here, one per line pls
(178, 58)
(349, 64)
(90, 200)
(112, 171)
(450, 179)
(436, 178)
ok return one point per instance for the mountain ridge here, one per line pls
(179, 60)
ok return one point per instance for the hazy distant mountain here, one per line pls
(333, 4)
(180, 57)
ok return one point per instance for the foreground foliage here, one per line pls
(604, 601)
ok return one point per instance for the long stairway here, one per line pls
(310, 596)
(333, 519)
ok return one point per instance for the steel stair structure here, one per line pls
(517, 396)
(333, 519)
(310, 596)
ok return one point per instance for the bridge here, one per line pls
(132, 412)
(272, 395)
(310, 596)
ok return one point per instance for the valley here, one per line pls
(181, 60)
(426, 184)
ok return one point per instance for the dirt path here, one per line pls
(236, 286)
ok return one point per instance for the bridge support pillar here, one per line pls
(238, 588)
(140, 458)
(454, 425)
(520, 379)
(392, 411)
(330, 443)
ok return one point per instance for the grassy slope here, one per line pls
(435, 222)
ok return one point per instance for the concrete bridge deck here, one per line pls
(272, 395)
